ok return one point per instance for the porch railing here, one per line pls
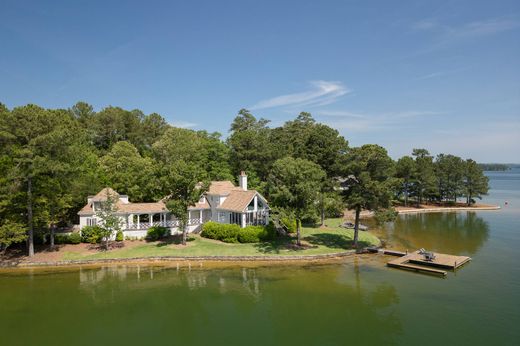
(167, 224)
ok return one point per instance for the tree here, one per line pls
(128, 172)
(405, 170)
(11, 233)
(109, 222)
(185, 183)
(304, 138)
(250, 144)
(475, 183)
(296, 184)
(424, 175)
(368, 181)
(449, 170)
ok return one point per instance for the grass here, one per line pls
(325, 240)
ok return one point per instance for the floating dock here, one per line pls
(415, 261)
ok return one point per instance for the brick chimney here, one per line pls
(242, 180)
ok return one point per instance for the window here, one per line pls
(91, 221)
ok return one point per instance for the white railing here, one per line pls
(167, 224)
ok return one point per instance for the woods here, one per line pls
(51, 159)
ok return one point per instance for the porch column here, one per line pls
(243, 220)
(138, 222)
(200, 215)
(150, 219)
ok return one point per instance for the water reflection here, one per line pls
(454, 233)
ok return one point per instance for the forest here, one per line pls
(52, 159)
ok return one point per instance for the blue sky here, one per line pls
(444, 75)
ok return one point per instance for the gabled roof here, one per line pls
(222, 188)
(238, 200)
(102, 195)
(154, 207)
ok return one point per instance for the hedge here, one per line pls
(231, 233)
(73, 238)
(156, 232)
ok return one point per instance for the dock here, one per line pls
(415, 261)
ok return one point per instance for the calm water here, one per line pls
(357, 300)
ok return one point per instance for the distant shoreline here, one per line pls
(435, 209)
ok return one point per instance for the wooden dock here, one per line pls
(415, 261)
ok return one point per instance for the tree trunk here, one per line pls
(184, 232)
(322, 210)
(406, 195)
(298, 234)
(53, 227)
(30, 238)
(356, 227)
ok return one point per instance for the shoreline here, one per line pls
(267, 259)
(413, 210)
(154, 260)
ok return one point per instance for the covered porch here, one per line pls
(143, 221)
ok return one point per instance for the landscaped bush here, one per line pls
(119, 236)
(73, 238)
(289, 223)
(230, 233)
(156, 232)
(91, 234)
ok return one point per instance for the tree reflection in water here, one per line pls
(454, 233)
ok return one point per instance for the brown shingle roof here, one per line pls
(102, 195)
(222, 188)
(238, 200)
(154, 207)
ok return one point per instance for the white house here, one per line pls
(223, 202)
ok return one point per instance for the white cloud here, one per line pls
(447, 34)
(367, 122)
(183, 124)
(322, 93)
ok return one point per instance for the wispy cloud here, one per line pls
(183, 124)
(448, 33)
(321, 93)
(366, 122)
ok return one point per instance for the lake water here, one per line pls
(353, 300)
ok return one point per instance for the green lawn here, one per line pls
(322, 241)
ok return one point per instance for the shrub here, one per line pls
(75, 238)
(119, 236)
(91, 234)
(156, 232)
(230, 233)
(227, 233)
(289, 223)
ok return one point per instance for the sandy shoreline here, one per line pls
(184, 261)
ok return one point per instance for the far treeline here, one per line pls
(494, 167)
(51, 159)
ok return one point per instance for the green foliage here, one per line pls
(255, 234)
(109, 222)
(120, 236)
(289, 223)
(227, 233)
(73, 238)
(155, 233)
(91, 234)
(127, 172)
(231, 233)
(11, 233)
(385, 215)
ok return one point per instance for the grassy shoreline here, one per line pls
(317, 241)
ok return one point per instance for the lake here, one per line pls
(357, 299)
